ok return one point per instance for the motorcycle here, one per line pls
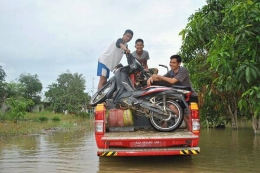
(163, 105)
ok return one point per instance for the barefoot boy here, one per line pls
(111, 57)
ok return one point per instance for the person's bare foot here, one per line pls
(174, 109)
(164, 124)
(105, 104)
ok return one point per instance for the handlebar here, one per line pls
(164, 66)
(131, 58)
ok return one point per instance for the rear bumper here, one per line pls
(148, 151)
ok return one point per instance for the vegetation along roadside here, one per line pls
(42, 122)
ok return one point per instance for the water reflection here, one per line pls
(55, 152)
(145, 164)
(230, 150)
(224, 150)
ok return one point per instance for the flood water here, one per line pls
(222, 150)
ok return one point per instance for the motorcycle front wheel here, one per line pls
(101, 95)
(173, 121)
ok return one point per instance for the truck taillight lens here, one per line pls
(99, 119)
(195, 125)
(99, 127)
(194, 106)
(194, 110)
(100, 112)
(194, 114)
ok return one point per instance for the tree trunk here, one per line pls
(232, 109)
(256, 124)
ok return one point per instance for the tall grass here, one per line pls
(35, 123)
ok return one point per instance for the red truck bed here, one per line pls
(145, 142)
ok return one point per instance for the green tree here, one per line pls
(2, 85)
(32, 87)
(195, 50)
(220, 45)
(68, 93)
(2, 74)
(13, 89)
(18, 107)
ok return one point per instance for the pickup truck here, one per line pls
(138, 138)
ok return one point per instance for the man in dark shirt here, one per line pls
(176, 76)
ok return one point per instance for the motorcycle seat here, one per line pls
(181, 87)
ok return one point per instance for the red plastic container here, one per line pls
(120, 118)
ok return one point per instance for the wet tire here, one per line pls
(173, 121)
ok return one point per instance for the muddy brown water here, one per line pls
(222, 150)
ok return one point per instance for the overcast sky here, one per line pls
(49, 37)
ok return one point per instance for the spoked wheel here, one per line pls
(172, 122)
(101, 95)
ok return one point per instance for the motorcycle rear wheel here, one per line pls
(101, 95)
(173, 121)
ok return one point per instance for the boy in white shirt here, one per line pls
(112, 56)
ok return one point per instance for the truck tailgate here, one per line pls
(154, 142)
(148, 135)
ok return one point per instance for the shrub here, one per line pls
(42, 118)
(56, 118)
(18, 107)
(83, 114)
(2, 116)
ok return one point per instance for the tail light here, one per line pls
(194, 106)
(100, 119)
(194, 110)
(195, 116)
(99, 127)
(195, 125)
